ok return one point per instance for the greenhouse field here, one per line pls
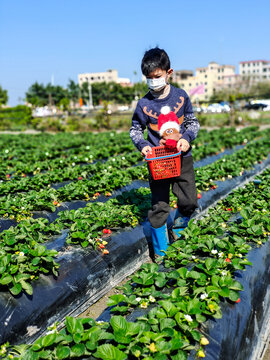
(73, 224)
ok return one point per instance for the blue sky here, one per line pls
(41, 38)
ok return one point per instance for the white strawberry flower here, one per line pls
(245, 141)
(123, 158)
(214, 251)
(138, 298)
(144, 305)
(113, 159)
(224, 273)
(91, 156)
(61, 161)
(87, 147)
(204, 296)
(47, 154)
(220, 254)
(229, 176)
(73, 164)
(21, 253)
(151, 298)
(6, 151)
(193, 257)
(86, 159)
(188, 318)
(111, 134)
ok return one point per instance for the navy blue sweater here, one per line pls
(148, 110)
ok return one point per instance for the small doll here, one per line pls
(169, 127)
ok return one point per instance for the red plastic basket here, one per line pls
(164, 162)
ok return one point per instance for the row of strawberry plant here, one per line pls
(23, 257)
(109, 179)
(213, 248)
(61, 172)
(18, 160)
(68, 170)
(206, 144)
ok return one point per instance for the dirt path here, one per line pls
(95, 310)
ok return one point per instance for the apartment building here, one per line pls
(256, 70)
(209, 78)
(107, 76)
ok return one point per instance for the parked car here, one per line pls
(256, 106)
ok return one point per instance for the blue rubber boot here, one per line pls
(160, 239)
(180, 223)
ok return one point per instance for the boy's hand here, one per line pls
(183, 145)
(162, 141)
(145, 150)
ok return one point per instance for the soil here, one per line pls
(267, 353)
(96, 309)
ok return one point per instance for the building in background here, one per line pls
(107, 76)
(257, 70)
(179, 75)
(206, 81)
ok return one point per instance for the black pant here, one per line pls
(183, 187)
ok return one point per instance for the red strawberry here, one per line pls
(80, 178)
(23, 175)
(105, 252)
(97, 194)
(238, 301)
(8, 176)
(228, 260)
(55, 202)
(229, 209)
(105, 231)
(101, 246)
(109, 231)
(199, 196)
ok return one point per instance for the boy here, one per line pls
(157, 69)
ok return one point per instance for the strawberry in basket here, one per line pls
(169, 127)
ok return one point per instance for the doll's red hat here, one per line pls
(167, 120)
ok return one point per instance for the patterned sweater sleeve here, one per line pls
(191, 123)
(138, 126)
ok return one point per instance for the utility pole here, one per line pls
(90, 96)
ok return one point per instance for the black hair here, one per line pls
(153, 59)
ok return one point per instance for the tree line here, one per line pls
(259, 90)
(40, 95)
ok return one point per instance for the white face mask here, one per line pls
(156, 84)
